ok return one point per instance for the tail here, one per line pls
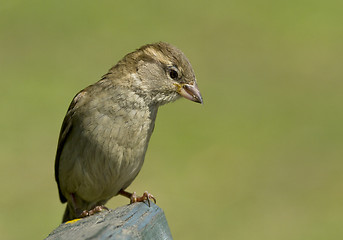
(69, 214)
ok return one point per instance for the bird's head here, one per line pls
(163, 74)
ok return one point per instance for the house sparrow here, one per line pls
(107, 128)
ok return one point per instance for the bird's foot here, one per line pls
(146, 196)
(93, 211)
(134, 198)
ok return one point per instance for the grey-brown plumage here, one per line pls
(107, 128)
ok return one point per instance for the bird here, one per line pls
(108, 125)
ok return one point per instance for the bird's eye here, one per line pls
(173, 73)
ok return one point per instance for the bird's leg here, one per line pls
(93, 211)
(84, 213)
(77, 210)
(134, 198)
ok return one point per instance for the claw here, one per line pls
(134, 198)
(93, 211)
(148, 196)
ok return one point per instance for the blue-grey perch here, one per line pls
(134, 221)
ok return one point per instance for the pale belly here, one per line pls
(96, 167)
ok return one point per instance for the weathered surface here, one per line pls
(135, 221)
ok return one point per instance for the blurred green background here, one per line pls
(261, 159)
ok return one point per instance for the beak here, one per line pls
(190, 92)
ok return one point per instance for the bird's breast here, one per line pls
(107, 150)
